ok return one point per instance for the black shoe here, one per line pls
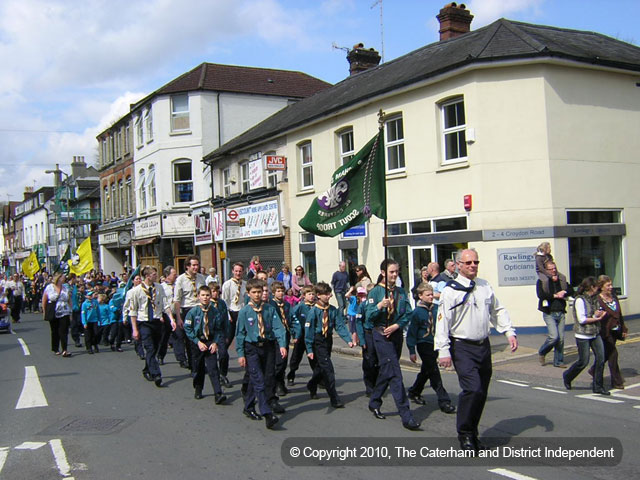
(447, 408)
(252, 414)
(313, 392)
(89, 351)
(198, 395)
(220, 398)
(225, 381)
(78, 345)
(270, 420)
(113, 348)
(158, 381)
(567, 383)
(97, 349)
(276, 407)
(160, 361)
(147, 376)
(602, 391)
(183, 364)
(142, 357)
(337, 403)
(367, 394)
(416, 398)
(290, 382)
(377, 413)
(281, 390)
(468, 442)
(411, 425)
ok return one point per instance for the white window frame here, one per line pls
(128, 185)
(178, 182)
(178, 116)
(142, 194)
(123, 205)
(105, 209)
(455, 130)
(114, 201)
(139, 132)
(148, 123)
(396, 144)
(346, 155)
(226, 182)
(245, 184)
(272, 175)
(151, 186)
(306, 164)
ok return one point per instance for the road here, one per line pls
(95, 417)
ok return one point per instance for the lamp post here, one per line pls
(68, 179)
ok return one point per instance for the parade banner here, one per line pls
(82, 261)
(31, 266)
(357, 191)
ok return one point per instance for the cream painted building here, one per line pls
(499, 139)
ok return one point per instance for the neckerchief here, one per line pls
(284, 317)
(260, 319)
(238, 283)
(193, 285)
(461, 288)
(205, 312)
(325, 319)
(150, 292)
(391, 309)
(430, 321)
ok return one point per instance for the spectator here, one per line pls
(340, 284)
(285, 277)
(212, 277)
(299, 280)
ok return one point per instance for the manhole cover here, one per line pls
(88, 425)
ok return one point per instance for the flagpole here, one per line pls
(381, 116)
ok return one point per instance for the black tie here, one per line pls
(461, 288)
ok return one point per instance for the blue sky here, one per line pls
(69, 68)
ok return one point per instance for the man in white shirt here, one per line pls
(234, 291)
(468, 307)
(185, 297)
(148, 302)
(17, 288)
(170, 274)
(212, 277)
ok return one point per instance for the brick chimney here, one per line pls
(78, 167)
(28, 193)
(361, 59)
(455, 20)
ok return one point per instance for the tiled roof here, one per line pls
(231, 78)
(501, 40)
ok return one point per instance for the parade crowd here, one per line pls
(278, 318)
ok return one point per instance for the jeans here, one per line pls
(583, 360)
(555, 337)
(342, 302)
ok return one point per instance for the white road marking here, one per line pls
(25, 349)
(32, 394)
(637, 406)
(517, 384)
(509, 474)
(30, 446)
(60, 457)
(4, 451)
(549, 390)
(628, 387)
(622, 395)
(599, 398)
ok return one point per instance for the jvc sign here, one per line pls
(517, 266)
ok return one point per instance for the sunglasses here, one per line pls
(471, 262)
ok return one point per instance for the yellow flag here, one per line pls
(82, 261)
(31, 266)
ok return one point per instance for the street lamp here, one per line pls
(69, 181)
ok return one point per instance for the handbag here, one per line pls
(49, 311)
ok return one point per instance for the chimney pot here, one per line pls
(454, 21)
(361, 59)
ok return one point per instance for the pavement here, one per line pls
(528, 345)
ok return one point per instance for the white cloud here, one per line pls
(487, 11)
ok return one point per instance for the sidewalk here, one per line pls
(500, 352)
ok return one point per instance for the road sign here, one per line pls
(232, 215)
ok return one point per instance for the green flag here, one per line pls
(357, 191)
(63, 266)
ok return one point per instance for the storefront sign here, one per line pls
(51, 251)
(177, 224)
(276, 162)
(517, 266)
(147, 227)
(357, 231)
(202, 225)
(517, 233)
(250, 221)
(108, 238)
(255, 174)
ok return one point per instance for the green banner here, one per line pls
(357, 191)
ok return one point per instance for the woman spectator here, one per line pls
(586, 328)
(299, 280)
(57, 295)
(424, 278)
(285, 277)
(254, 266)
(612, 328)
(363, 279)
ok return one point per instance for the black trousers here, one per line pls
(261, 370)
(324, 367)
(76, 326)
(164, 340)
(17, 308)
(115, 334)
(59, 333)
(472, 361)
(181, 341)
(299, 352)
(281, 363)
(205, 362)
(150, 333)
(388, 350)
(91, 333)
(429, 371)
(370, 366)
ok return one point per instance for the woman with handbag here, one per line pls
(56, 305)
(612, 328)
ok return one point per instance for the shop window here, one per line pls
(593, 216)
(397, 229)
(450, 224)
(420, 227)
(308, 258)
